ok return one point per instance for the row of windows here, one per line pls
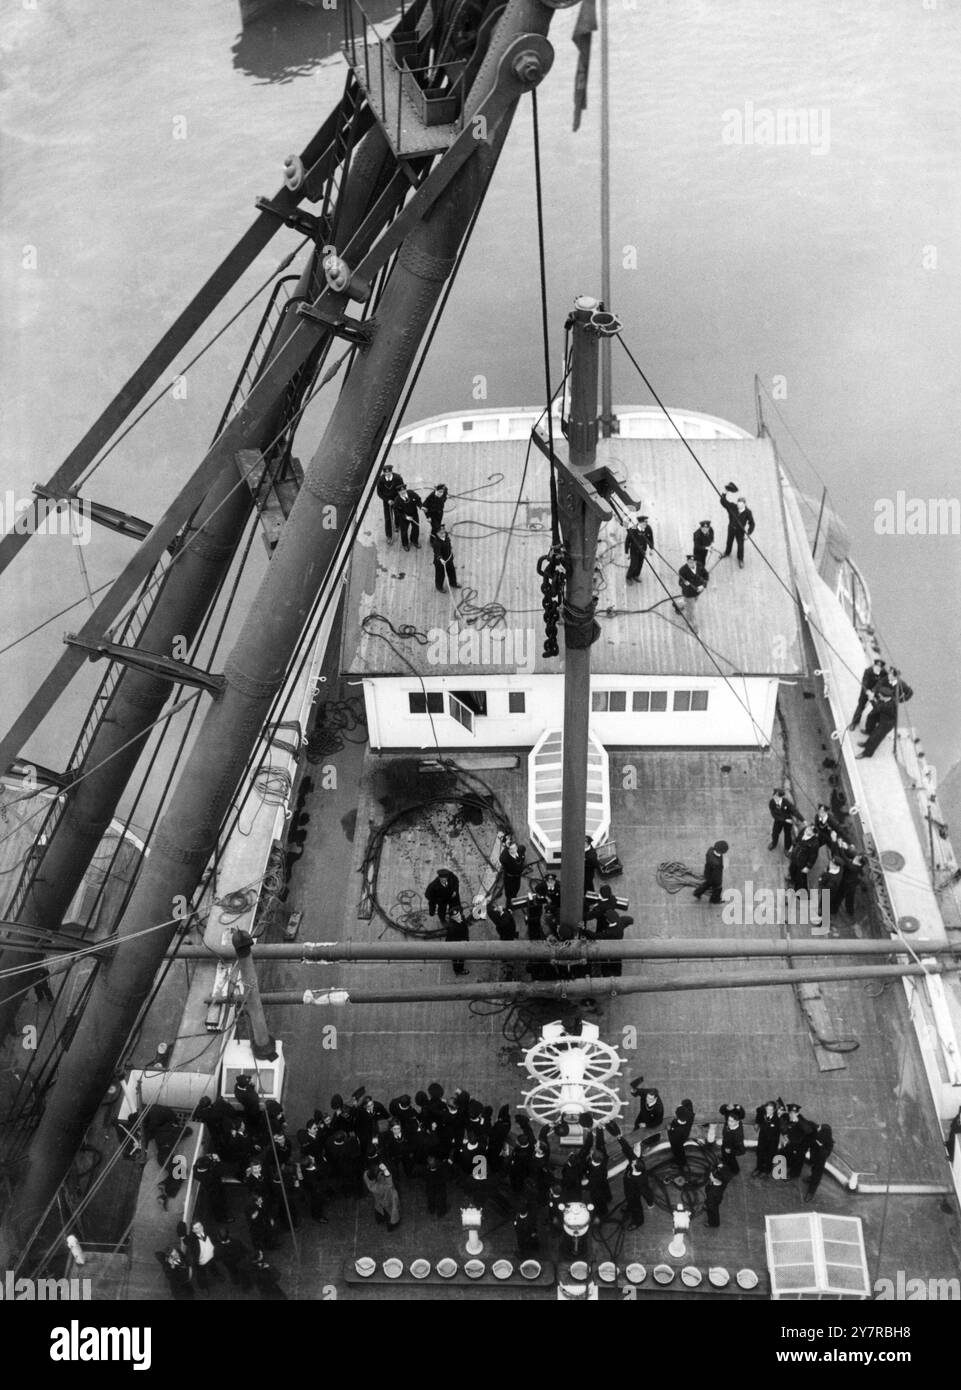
(646, 701)
(463, 703)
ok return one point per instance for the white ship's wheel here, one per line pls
(545, 1060)
(550, 1100)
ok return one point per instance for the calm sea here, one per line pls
(137, 135)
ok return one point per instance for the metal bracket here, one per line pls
(299, 220)
(164, 667)
(351, 330)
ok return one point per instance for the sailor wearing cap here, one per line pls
(713, 871)
(639, 538)
(703, 540)
(740, 522)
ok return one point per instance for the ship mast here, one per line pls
(516, 59)
(608, 418)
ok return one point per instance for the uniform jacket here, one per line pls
(638, 538)
(693, 578)
(434, 507)
(782, 811)
(442, 548)
(738, 521)
(388, 487)
(438, 892)
(713, 867)
(408, 508)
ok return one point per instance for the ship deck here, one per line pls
(713, 1045)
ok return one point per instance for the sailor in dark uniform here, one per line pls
(503, 922)
(783, 815)
(740, 523)
(768, 1138)
(651, 1111)
(713, 871)
(443, 560)
(612, 928)
(798, 1130)
(890, 693)
(512, 859)
(457, 930)
(732, 1136)
(534, 910)
(637, 1183)
(442, 894)
(832, 883)
(826, 827)
(407, 516)
(591, 865)
(714, 1195)
(692, 578)
(389, 485)
(819, 1151)
(851, 879)
(869, 681)
(638, 540)
(803, 857)
(702, 542)
(679, 1131)
(434, 505)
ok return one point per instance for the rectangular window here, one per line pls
(431, 703)
(516, 702)
(690, 700)
(609, 701)
(641, 701)
(475, 700)
(658, 701)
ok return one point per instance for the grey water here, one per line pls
(786, 202)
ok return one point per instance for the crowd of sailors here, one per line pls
(453, 1143)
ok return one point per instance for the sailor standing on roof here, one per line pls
(740, 523)
(434, 505)
(389, 485)
(693, 580)
(443, 560)
(407, 505)
(639, 538)
(702, 542)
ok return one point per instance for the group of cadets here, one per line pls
(540, 904)
(693, 575)
(361, 1146)
(803, 841)
(402, 508)
(780, 1128)
(883, 689)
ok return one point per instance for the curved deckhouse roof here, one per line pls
(746, 617)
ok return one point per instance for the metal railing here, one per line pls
(434, 93)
